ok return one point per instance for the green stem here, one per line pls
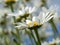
(18, 36)
(37, 35)
(17, 43)
(33, 37)
(29, 34)
(11, 6)
(6, 41)
(53, 26)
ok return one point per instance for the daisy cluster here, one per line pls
(28, 18)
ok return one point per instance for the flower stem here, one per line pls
(54, 27)
(33, 37)
(11, 6)
(37, 35)
(29, 34)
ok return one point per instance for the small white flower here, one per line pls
(45, 34)
(29, 23)
(12, 14)
(46, 16)
(44, 43)
(21, 25)
(26, 10)
(16, 14)
(30, 9)
(33, 22)
(55, 41)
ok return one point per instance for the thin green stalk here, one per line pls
(7, 42)
(17, 43)
(29, 34)
(11, 6)
(54, 27)
(37, 35)
(6, 38)
(17, 35)
(33, 37)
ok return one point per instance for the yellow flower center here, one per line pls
(53, 44)
(35, 23)
(7, 1)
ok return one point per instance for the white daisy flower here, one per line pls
(14, 14)
(41, 19)
(54, 41)
(22, 12)
(46, 16)
(29, 10)
(44, 43)
(29, 23)
(21, 25)
(45, 34)
(33, 22)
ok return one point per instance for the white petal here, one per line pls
(49, 18)
(34, 18)
(27, 21)
(21, 12)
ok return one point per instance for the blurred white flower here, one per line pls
(29, 10)
(45, 34)
(29, 23)
(13, 14)
(33, 22)
(46, 15)
(21, 25)
(41, 19)
(54, 41)
(22, 12)
(44, 43)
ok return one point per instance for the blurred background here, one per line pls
(29, 22)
